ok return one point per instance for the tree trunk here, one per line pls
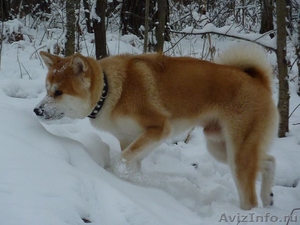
(283, 103)
(146, 32)
(87, 16)
(99, 28)
(70, 27)
(298, 53)
(160, 28)
(289, 17)
(132, 16)
(5, 10)
(266, 17)
(243, 13)
(21, 8)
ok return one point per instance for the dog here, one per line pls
(145, 99)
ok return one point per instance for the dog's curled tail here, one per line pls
(250, 58)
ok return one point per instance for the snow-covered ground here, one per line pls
(58, 174)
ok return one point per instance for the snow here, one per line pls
(94, 15)
(59, 173)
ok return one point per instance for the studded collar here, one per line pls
(100, 103)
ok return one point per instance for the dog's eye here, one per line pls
(57, 93)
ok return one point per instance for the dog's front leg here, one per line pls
(150, 139)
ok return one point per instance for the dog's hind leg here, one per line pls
(244, 163)
(268, 172)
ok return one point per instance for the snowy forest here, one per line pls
(59, 173)
(67, 27)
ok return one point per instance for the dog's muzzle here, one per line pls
(48, 115)
(47, 109)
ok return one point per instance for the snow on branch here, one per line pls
(229, 31)
(94, 15)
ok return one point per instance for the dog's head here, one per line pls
(68, 85)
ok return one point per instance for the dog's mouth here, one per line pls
(56, 117)
(48, 114)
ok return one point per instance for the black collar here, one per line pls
(99, 105)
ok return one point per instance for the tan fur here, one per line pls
(152, 97)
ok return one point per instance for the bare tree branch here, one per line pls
(229, 32)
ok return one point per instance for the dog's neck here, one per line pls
(100, 103)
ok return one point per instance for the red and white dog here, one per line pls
(145, 99)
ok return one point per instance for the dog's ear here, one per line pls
(79, 64)
(49, 59)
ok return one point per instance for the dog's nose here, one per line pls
(38, 111)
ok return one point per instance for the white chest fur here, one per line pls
(125, 129)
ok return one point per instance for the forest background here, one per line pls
(160, 26)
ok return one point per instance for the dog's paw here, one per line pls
(268, 200)
(125, 169)
(119, 167)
